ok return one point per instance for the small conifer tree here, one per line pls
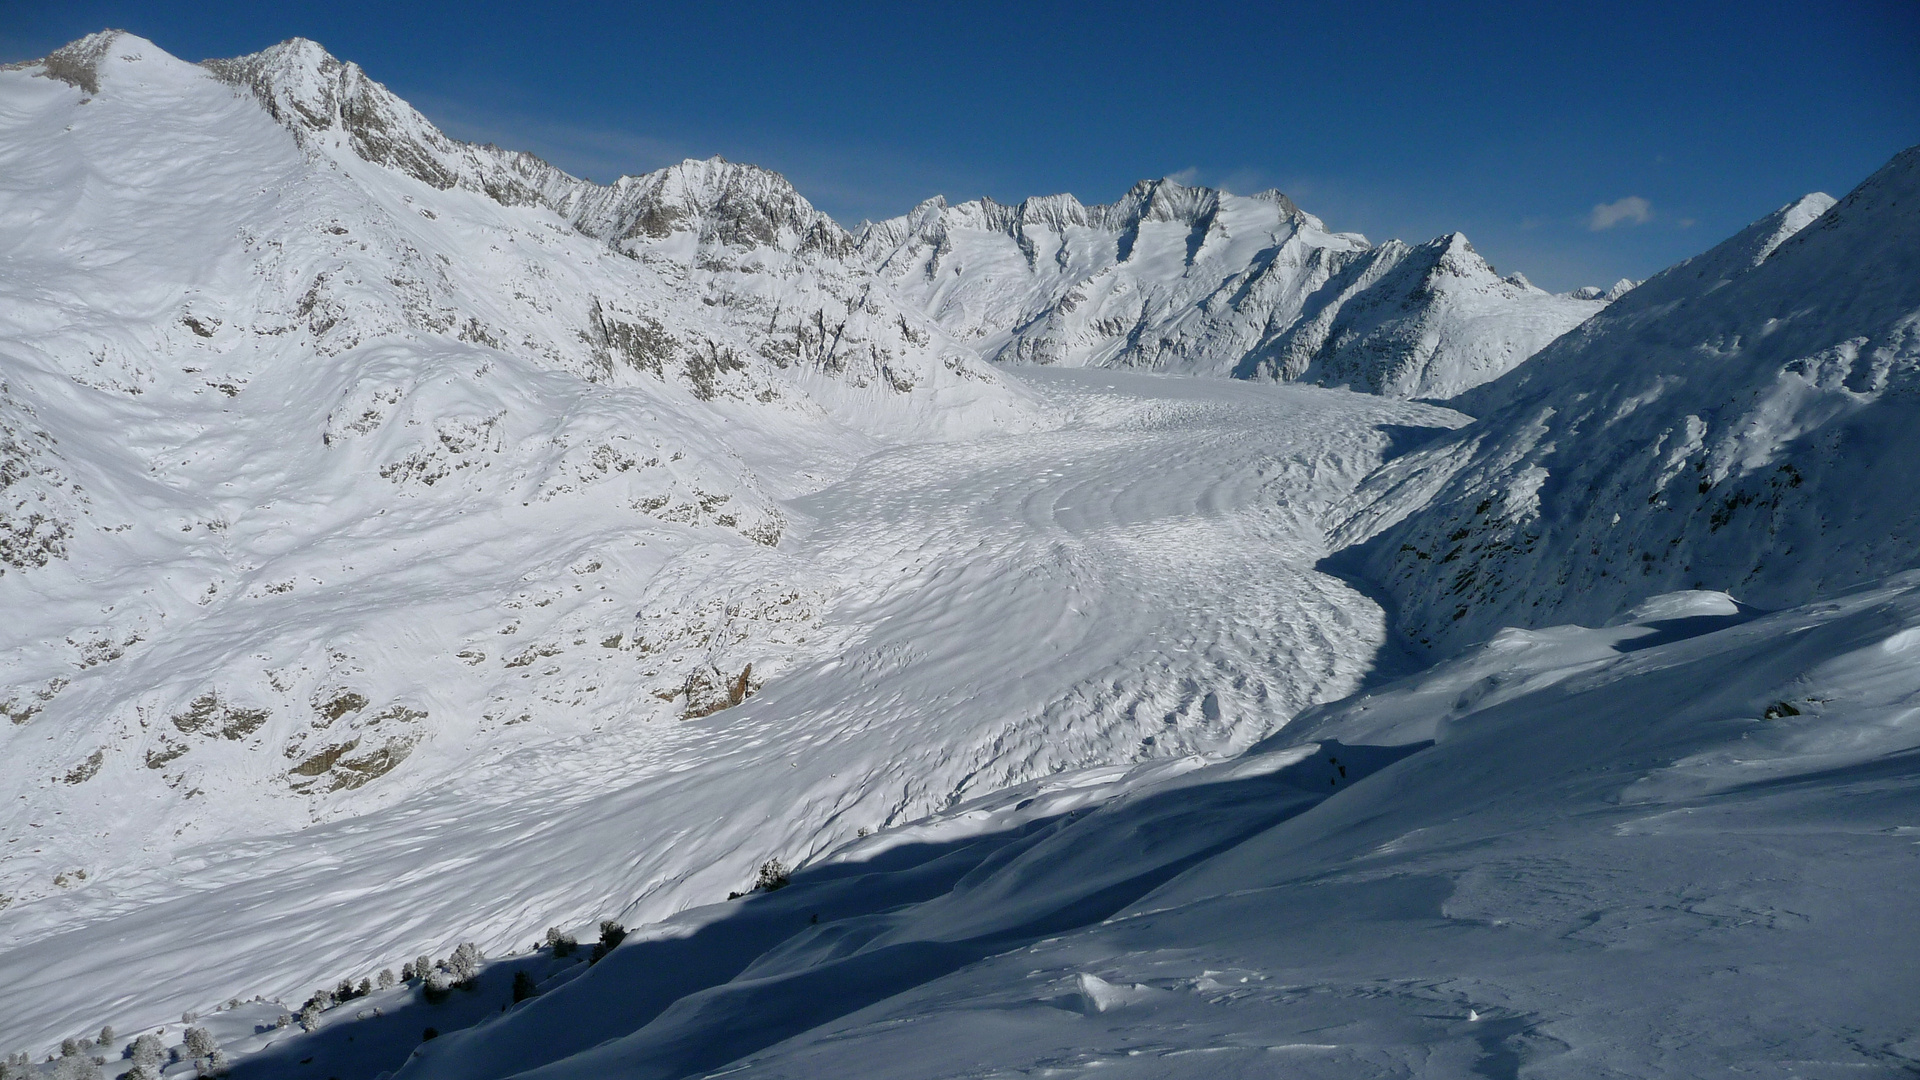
(148, 1052)
(199, 1042)
(611, 934)
(464, 965)
(386, 978)
(523, 987)
(774, 874)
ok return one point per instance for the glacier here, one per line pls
(407, 543)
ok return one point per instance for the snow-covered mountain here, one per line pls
(406, 543)
(1192, 280)
(358, 479)
(1747, 420)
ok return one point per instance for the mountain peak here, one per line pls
(77, 63)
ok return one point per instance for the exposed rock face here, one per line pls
(320, 98)
(38, 503)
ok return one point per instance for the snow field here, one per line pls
(1134, 583)
(1622, 856)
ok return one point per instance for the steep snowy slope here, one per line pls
(1554, 856)
(1185, 279)
(1747, 420)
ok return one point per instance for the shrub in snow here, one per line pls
(422, 966)
(77, 1067)
(562, 944)
(199, 1042)
(523, 987)
(386, 978)
(464, 965)
(70, 1048)
(106, 1035)
(774, 874)
(148, 1052)
(208, 1059)
(310, 1014)
(611, 934)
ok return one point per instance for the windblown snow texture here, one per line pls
(1556, 855)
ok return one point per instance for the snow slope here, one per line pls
(1192, 280)
(1134, 584)
(1744, 421)
(1553, 856)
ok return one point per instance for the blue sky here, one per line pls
(1576, 143)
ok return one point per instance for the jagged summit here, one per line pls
(1170, 276)
(718, 201)
(76, 63)
(319, 97)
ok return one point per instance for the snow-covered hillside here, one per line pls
(1554, 856)
(1192, 280)
(1747, 420)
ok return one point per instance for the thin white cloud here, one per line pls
(1632, 210)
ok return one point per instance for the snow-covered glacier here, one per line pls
(406, 543)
